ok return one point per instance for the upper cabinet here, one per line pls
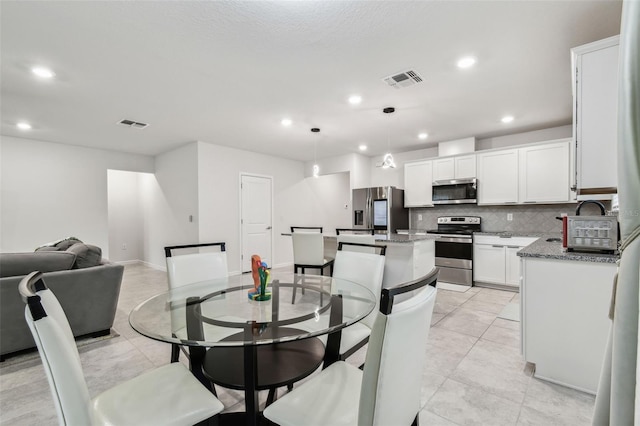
(498, 177)
(595, 70)
(465, 166)
(459, 167)
(417, 184)
(532, 174)
(544, 173)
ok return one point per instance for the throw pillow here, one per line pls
(86, 255)
(61, 244)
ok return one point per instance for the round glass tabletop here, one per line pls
(220, 313)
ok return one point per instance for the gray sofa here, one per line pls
(86, 285)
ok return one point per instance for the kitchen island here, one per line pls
(565, 298)
(408, 257)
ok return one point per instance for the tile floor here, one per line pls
(474, 373)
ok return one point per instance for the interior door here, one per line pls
(256, 228)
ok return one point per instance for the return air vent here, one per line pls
(403, 79)
(134, 124)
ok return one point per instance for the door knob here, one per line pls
(268, 227)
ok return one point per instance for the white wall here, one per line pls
(549, 134)
(328, 195)
(219, 171)
(125, 216)
(169, 197)
(50, 191)
(357, 165)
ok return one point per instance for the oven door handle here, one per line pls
(454, 240)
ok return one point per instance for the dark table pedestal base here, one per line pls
(279, 364)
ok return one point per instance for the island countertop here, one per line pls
(384, 238)
(395, 238)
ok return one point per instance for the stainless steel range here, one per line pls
(454, 248)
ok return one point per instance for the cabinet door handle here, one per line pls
(513, 246)
(530, 202)
(496, 246)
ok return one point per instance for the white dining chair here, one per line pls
(387, 391)
(366, 269)
(188, 269)
(308, 252)
(167, 395)
(366, 239)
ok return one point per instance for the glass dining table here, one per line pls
(241, 343)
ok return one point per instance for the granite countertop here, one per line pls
(507, 234)
(553, 250)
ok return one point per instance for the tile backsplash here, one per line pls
(526, 218)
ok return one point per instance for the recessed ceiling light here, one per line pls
(423, 136)
(23, 125)
(286, 122)
(362, 147)
(355, 99)
(42, 72)
(466, 62)
(507, 119)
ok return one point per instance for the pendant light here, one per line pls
(387, 161)
(316, 168)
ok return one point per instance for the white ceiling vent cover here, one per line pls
(403, 79)
(134, 124)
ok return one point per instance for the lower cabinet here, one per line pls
(495, 260)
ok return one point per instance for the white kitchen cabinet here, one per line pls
(543, 172)
(488, 263)
(418, 177)
(595, 68)
(444, 169)
(495, 260)
(465, 166)
(564, 319)
(459, 167)
(512, 265)
(498, 177)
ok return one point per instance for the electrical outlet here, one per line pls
(419, 217)
(124, 246)
(509, 217)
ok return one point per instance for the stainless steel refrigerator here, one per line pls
(381, 208)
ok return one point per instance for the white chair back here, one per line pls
(359, 239)
(392, 376)
(189, 269)
(366, 269)
(59, 355)
(308, 248)
(192, 268)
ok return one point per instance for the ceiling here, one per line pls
(228, 72)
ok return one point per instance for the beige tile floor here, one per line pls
(474, 373)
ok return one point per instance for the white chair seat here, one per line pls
(353, 335)
(349, 337)
(329, 407)
(171, 389)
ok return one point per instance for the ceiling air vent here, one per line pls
(134, 124)
(403, 79)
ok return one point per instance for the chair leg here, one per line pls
(416, 420)
(273, 395)
(175, 352)
(293, 293)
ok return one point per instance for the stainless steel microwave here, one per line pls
(456, 191)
